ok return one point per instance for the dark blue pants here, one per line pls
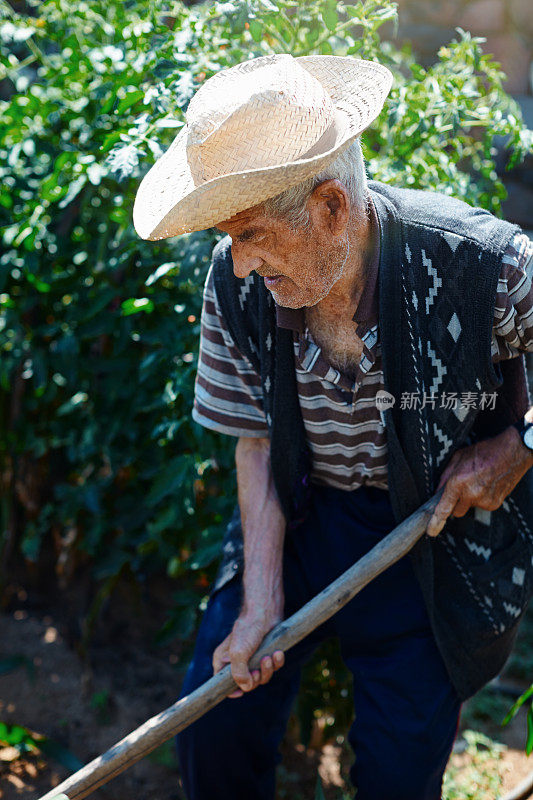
(406, 708)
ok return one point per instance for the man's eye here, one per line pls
(255, 239)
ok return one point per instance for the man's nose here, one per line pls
(244, 260)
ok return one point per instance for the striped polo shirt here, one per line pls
(344, 426)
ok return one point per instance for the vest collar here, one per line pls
(406, 499)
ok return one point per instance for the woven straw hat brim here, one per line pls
(168, 203)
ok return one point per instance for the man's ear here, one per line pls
(329, 207)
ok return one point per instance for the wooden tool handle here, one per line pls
(284, 636)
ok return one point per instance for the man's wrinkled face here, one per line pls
(299, 265)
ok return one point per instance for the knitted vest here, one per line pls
(440, 260)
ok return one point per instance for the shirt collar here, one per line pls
(291, 318)
(366, 313)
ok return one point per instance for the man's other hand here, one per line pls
(481, 476)
(237, 649)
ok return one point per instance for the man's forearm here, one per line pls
(263, 525)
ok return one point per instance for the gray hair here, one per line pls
(348, 168)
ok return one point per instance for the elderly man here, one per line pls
(365, 344)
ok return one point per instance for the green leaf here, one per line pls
(136, 304)
(353, 11)
(6, 200)
(524, 697)
(97, 303)
(256, 29)
(330, 16)
(384, 14)
(41, 286)
(168, 480)
(129, 100)
(72, 404)
(529, 740)
(17, 736)
(204, 556)
(163, 520)
(169, 122)
(73, 191)
(160, 271)
(180, 625)
(30, 545)
(110, 140)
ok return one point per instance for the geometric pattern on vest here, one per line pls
(439, 264)
(480, 564)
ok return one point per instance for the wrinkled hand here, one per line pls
(237, 649)
(481, 476)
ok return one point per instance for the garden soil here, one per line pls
(86, 700)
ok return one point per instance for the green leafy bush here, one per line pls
(98, 329)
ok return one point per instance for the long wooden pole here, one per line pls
(284, 636)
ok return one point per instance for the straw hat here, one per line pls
(253, 131)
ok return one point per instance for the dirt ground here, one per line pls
(84, 707)
(87, 702)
